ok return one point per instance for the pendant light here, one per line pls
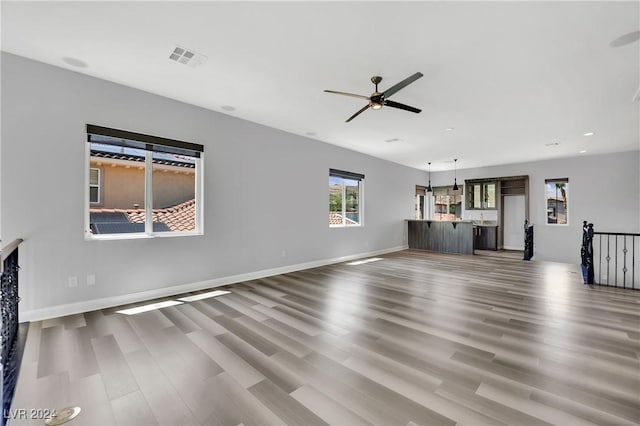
(455, 177)
(429, 189)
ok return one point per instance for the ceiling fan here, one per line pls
(378, 99)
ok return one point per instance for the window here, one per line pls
(556, 193)
(481, 195)
(420, 212)
(94, 186)
(145, 185)
(448, 203)
(345, 198)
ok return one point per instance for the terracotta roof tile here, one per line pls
(181, 217)
(336, 219)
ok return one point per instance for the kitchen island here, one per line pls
(441, 236)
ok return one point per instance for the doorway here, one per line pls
(513, 223)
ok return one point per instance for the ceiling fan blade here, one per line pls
(401, 106)
(404, 83)
(358, 113)
(353, 95)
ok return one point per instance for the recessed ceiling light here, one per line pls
(228, 108)
(187, 57)
(589, 134)
(583, 151)
(75, 62)
(552, 144)
(448, 129)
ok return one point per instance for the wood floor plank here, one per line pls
(164, 400)
(132, 410)
(282, 341)
(326, 408)
(247, 292)
(247, 334)
(283, 317)
(192, 357)
(528, 406)
(236, 302)
(114, 369)
(52, 351)
(233, 404)
(284, 406)
(232, 363)
(279, 375)
(420, 394)
(390, 399)
(81, 358)
(350, 397)
(203, 321)
(180, 320)
(487, 407)
(316, 342)
(89, 393)
(31, 351)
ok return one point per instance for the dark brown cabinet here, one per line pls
(441, 236)
(485, 237)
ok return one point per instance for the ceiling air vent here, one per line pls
(187, 57)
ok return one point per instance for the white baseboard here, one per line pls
(108, 302)
(512, 248)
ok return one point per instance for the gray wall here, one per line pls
(265, 193)
(603, 189)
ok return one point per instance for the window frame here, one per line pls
(148, 184)
(352, 176)
(566, 200)
(482, 194)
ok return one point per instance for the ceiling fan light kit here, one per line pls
(379, 99)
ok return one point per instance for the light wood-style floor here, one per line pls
(416, 338)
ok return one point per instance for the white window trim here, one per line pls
(344, 207)
(546, 211)
(199, 194)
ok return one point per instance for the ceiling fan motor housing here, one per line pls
(376, 100)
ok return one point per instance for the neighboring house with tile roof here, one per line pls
(181, 217)
(117, 189)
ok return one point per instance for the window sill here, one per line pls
(138, 236)
(346, 226)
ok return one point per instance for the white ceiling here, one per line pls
(508, 77)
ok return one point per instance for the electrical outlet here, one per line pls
(73, 281)
(91, 279)
(284, 253)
